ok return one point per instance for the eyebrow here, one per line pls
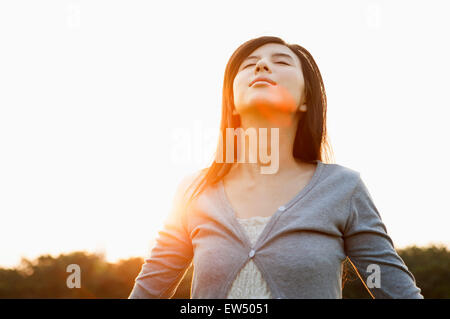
(273, 55)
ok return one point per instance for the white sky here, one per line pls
(95, 94)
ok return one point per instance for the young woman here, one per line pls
(282, 226)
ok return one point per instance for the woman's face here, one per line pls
(280, 65)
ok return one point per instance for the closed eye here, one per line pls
(276, 62)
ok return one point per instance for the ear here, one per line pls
(303, 108)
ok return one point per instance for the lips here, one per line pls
(264, 79)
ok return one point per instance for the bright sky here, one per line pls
(106, 105)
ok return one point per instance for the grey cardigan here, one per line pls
(300, 252)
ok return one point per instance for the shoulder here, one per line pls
(182, 193)
(354, 185)
(193, 177)
(188, 183)
(341, 175)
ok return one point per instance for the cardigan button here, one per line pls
(251, 253)
(282, 208)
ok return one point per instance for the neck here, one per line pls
(272, 156)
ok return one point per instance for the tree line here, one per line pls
(46, 276)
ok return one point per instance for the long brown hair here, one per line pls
(311, 140)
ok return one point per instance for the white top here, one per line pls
(249, 283)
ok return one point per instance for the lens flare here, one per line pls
(280, 102)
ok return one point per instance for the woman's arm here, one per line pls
(371, 250)
(171, 256)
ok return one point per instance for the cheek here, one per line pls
(238, 87)
(295, 86)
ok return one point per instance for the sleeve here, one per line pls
(371, 251)
(171, 255)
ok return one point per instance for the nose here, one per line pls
(260, 65)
